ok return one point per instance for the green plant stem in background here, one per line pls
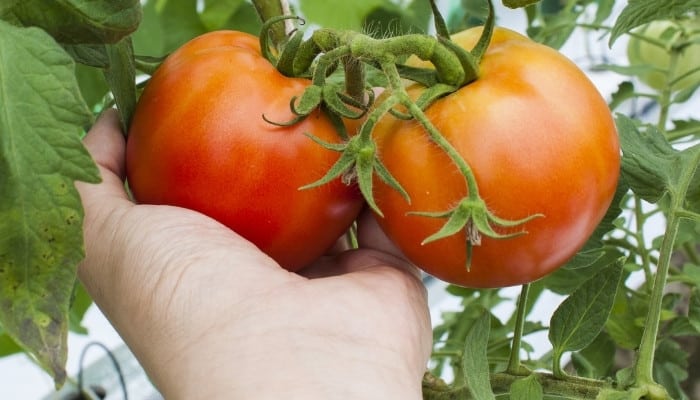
(553, 387)
(667, 91)
(645, 360)
(514, 365)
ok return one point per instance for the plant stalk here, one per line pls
(514, 361)
(267, 9)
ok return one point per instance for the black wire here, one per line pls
(115, 363)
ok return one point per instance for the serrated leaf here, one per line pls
(648, 160)
(528, 388)
(79, 21)
(671, 367)
(625, 91)
(579, 319)
(639, 12)
(41, 155)
(475, 363)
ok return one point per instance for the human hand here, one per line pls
(210, 316)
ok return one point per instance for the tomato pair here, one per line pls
(537, 133)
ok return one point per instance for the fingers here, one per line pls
(375, 249)
(106, 143)
(371, 236)
(107, 146)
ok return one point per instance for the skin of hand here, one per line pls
(210, 316)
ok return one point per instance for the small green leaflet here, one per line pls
(650, 166)
(526, 389)
(78, 21)
(581, 317)
(639, 12)
(475, 361)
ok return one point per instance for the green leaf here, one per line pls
(528, 388)
(121, 78)
(245, 19)
(625, 91)
(518, 3)
(94, 55)
(581, 317)
(648, 160)
(80, 303)
(217, 12)
(149, 38)
(671, 367)
(549, 23)
(694, 309)
(41, 155)
(566, 280)
(338, 14)
(7, 345)
(79, 21)
(179, 22)
(475, 363)
(622, 326)
(92, 86)
(639, 12)
(604, 10)
(596, 360)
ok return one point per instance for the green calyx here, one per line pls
(329, 53)
(473, 217)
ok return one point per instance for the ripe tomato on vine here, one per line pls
(540, 140)
(200, 139)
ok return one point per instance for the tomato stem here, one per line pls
(644, 363)
(514, 366)
(268, 9)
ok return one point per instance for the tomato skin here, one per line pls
(540, 139)
(198, 140)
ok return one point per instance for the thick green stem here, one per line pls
(641, 241)
(569, 388)
(354, 78)
(645, 359)
(667, 91)
(446, 62)
(514, 361)
(397, 87)
(267, 9)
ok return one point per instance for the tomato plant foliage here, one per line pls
(631, 277)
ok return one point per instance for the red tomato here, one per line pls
(198, 140)
(540, 139)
